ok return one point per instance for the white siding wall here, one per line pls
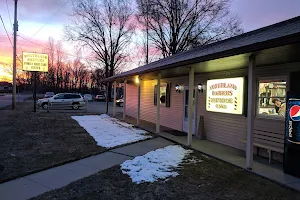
(223, 128)
(170, 116)
(228, 129)
(131, 100)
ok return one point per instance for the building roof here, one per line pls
(282, 33)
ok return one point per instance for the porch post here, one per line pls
(139, 103)
(158, 104)
(115, 98)
(251, 110)
(124, 97)
(191, 107)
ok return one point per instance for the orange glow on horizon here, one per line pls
(4, 61)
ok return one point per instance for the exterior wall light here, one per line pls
(200, 87)
(137, 80)
(177, 88)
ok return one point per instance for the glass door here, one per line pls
(186, 111)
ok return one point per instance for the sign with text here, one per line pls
(35, 62)
(225, 95)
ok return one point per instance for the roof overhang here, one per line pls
(273, 51)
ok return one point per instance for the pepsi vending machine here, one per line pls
(291, 162)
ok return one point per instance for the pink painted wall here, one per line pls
(170, 116)
(131, 100)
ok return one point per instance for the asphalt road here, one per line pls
(7, 99)
(101, 107)
(93, 107)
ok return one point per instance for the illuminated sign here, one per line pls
(35, 62)
(225, 95)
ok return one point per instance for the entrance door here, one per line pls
(186, 111)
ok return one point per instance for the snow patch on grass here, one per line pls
(155, 165)
(110, 132)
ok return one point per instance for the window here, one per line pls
(59, 96)
(272, 97)
(165, 94)
(75, 96)
(162, 95)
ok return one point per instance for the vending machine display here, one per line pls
(291, 164)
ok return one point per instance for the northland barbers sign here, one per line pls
(225, 95)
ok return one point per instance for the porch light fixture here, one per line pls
(137, 80)
(177, 88)
(200, 87)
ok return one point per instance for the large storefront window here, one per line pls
(272, 97)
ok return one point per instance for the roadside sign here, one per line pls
(35, 62)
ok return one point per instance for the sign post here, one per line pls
(34, 92)
(35, 63)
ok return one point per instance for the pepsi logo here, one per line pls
(295, 113)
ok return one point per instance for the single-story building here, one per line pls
(5, 87)
(237, 85)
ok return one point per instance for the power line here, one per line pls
(28, 40)
(46, 47)
(9, 37)
(6, 32)
(9, 14)
(49, 19)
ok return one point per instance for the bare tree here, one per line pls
(178, 25)
(50, 75)
(104, 27)
(59, 64)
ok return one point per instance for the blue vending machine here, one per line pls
(291, 162)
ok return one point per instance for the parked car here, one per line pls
(88, 97)
(49, 94)
(73, 100)
(120, 102)
(100, 97)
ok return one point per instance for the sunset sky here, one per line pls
(46, 18)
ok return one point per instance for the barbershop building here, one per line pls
(233, 92)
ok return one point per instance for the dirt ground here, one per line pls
(209, 179)
(31, 142)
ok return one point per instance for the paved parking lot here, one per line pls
(7, 99)
(101, 107)
(92, 107)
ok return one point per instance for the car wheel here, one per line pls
(75, 106)
(45, 106)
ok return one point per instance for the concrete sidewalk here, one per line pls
(54, 178)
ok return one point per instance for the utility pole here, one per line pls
(15, 59)
(147, 32)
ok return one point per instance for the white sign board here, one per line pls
(225, 95)
(35, 62)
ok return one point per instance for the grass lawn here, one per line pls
(209, 179)
(32, 142)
